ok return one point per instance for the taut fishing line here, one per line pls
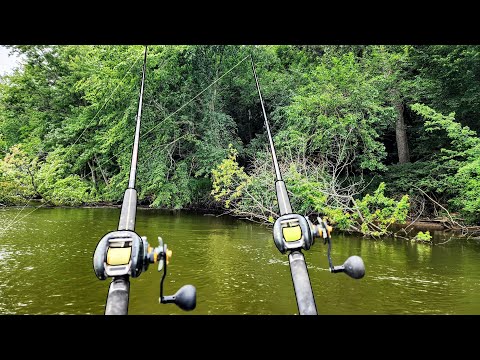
(13, 222)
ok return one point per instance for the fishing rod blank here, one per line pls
(123, 253)
(281, 189)
(290, 231)
(294, 232)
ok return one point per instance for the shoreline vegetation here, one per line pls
(370, 137)
(407, 230)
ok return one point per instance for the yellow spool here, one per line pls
(293, 233)
(118, 256)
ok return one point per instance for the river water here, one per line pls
(46, 268)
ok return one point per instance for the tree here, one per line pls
(341, 117)
(460, 161)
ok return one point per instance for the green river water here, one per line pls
(46, 268)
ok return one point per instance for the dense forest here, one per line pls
(366, 135)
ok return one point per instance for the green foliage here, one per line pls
(447, 80)
(245, 195)
(176, 192)
(23, 178)
(67, 120)
(58, 187)
(306, 190)
(229, 179)
(423, 236)
(371, 215)
(376, 213)
(460, 161)
(463, 140)
(16, 177)
(71, 191)
(338, 113)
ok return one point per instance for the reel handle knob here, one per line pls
(353, 267)
(185, 298)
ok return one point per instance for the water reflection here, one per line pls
(46, 268)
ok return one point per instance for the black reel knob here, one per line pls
(353, 267)
(185, 298)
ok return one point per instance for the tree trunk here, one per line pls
(92, 170)
(401, 135)
(101, 170)
(32, 180)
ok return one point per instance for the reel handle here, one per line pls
(353, 266)
(186, 297)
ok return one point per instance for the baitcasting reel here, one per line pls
(125, 253)
(120, 253)
(293, 232)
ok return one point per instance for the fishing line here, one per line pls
(13, 222)
(293, 232)
(122, 253)
(172, 114)
(116, 155)
(188, 102)
(196, 96)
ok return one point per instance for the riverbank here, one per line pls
(33, 205)
(408, 230)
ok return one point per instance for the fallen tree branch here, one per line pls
(418, 217)
(448, 214)
(450, 238)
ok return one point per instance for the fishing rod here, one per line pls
(123, 253)
(293, 232)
